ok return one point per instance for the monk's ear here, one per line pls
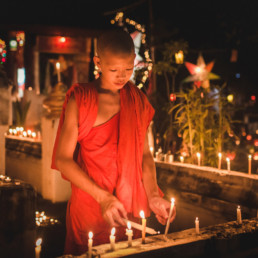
(96, 61)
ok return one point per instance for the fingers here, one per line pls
(161, 220)
(118, 218)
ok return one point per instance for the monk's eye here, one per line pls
(112, 70)
(129, 69)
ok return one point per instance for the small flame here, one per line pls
(227, 159)
(90, 235)
(219, 154)
(196, 219)
(129, 225)
(238, 206)
(38, 242)
(113, 231)
(173, 201)
(249, 156)
(198, 154)
(142, 214)
(57, 65)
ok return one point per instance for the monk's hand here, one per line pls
(113, 211)
(161, 209)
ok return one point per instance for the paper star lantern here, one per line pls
(200, 73)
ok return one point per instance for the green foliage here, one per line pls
(21, 110)
(204, 120)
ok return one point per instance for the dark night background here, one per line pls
(212, 27)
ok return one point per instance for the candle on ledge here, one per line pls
(142, 215)
(90, 241)
(169, 215)
(182, 159)
(249, 164)
(24, 134)
(228, 163)
(14, 132)
(219, 164)
(198, 154)
(38, 248)
(170, 158)
(112, 239)
(29, 133)
(239, 216)
(197, 226)
(129, 233)
(58, 72)
(8, 179)
(10, 131)
(33, 135)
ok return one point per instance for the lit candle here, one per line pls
(198, 154)
(33, 134)
(29, 133)
(170, 158)
(181, 159)
(18, 130)
(58, 72)
(169, 215)
(38, 248)
(24, 134)
(228, 163)
(143, 226)
(197, 227)
(11, 131)
(249, 164)
(14, 132)
(129, 233)
(239, 216)
(2, 177)
(90, 241)
(112, 239)
(219, 164)
(8, 179)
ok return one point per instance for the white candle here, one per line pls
(197, 227)
(170, 158)
(29, 133)
(198, 154)
(90, 241)
(58, 72)
(249, 164)
(8, 179)
(33, 134)
(181, 159)
(112, 239)
(143, 226)
(14, 132)
(129, 233)
(11, 131)
(150, 231)
(228, 164)
(169, 215)
(24, 134)
(219, 164)
(38, 248)
(239, 216)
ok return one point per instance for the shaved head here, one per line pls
(116, 41)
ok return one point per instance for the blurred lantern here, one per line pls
(230, 98)
(20, 38)
(237, 142)
(231, 155)
(172, 97)
(255, 156)
(62, 39)
(13, 44)
(234, 55)
(249, 137)
(2, 51)
(256, 142)
(179, 57)
(253, 98)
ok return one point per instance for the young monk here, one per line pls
(102, 149)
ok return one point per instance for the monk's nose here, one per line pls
(121, 74)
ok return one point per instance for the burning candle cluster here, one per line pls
(21, 132)
(43, 220)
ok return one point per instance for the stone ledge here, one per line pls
(222, 239)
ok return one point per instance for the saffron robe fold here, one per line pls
(136, 114)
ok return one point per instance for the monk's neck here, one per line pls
(105, 90)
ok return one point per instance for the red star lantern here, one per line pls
(200, 73)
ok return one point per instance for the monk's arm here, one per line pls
(72, 171)
(157, 204)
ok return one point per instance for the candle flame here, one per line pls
(238, 206)
(219, 154)
(173, 201)
(57, 65)
(38, 242)
(142, 214)
(113, 231)
(227, 159)
(198, 154)
(90, 235)
(129, 225)
(196, 219)
(249, 156)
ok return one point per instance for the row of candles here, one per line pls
(170, 158)
(5, 179)
(129, 231)
(43, 220)
(19, 131)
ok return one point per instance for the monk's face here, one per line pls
(116, 69)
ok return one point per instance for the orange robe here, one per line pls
(111, 154)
